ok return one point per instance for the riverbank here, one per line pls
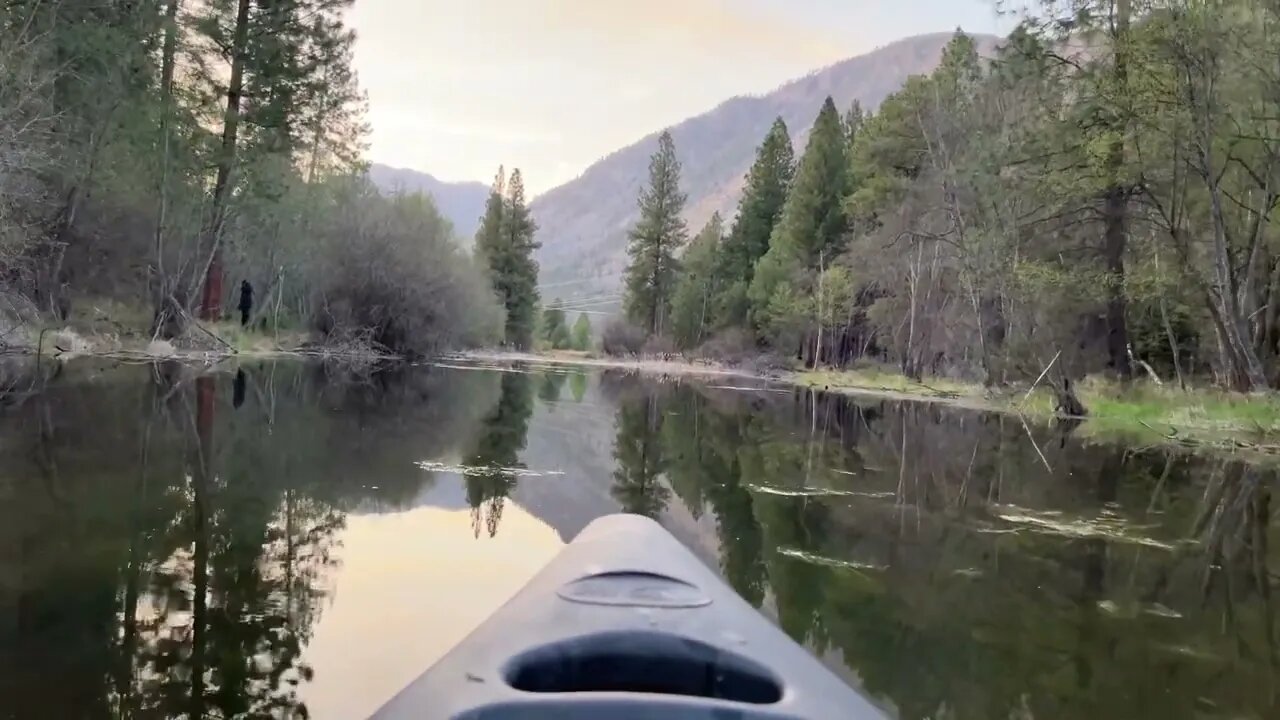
(1141, 412)
(650, 366)
(1138, 412)
(208, 342)
(107, 329)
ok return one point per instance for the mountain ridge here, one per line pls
(461, 202)
(583, 223)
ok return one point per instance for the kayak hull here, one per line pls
(625, 623)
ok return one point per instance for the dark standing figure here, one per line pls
(246, 302)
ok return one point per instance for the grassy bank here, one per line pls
(103, 327)
(1140, 411)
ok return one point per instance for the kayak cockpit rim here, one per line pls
(644, 662)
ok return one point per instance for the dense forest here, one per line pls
(1102, 187)
(160, 153)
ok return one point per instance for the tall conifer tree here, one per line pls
(660, 232)
(758, 212)
(813, 219)
(505, 244)
(521, 282)
(691, 305)
(490, 231)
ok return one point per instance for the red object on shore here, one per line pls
(211, 300)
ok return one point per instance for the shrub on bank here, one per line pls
(658, 346)
(730, 347)
(622, 338)
(389, 268)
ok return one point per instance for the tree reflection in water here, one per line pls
(163, 556)
(491, 470)
(164, 553)
(955, 570)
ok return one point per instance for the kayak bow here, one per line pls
(626, 624)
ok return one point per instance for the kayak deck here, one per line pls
(627, 624)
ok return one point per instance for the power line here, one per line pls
(588, 298)
(586, 301)
(582, 281)
(572, 308)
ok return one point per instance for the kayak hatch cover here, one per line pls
(627, 624)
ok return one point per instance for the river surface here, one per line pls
(288, 540)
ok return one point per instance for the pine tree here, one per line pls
(766, 192)
(813, 220)
(582, 333)
(505, 244)
(211, 300)
(488, 236)
(660, 232)
(521, 282)
(853, 120)
(289, 82)
(554, 330)
(697, 285)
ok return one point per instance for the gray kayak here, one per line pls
(626, 624)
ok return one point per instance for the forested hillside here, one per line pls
(156, 154)
(584, 222)
(1110, 206)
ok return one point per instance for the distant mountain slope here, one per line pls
(462, 203)
(583, 223)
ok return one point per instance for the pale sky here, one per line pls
(458, 87)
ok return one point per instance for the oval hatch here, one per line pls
(634, 589)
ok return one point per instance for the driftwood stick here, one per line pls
(1044, 372)
(1143, 364)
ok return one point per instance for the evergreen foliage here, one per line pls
(492, 466)
(1114, 200)
(505, 245)
(582, 332)
(159, 152)
(654, 242)
(758, 213)
(641, 459)
(696, 289)
(555, 333)
(812, 226)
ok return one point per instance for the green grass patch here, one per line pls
(1170, 410)
(1138, 411)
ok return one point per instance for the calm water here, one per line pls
(292, 541)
